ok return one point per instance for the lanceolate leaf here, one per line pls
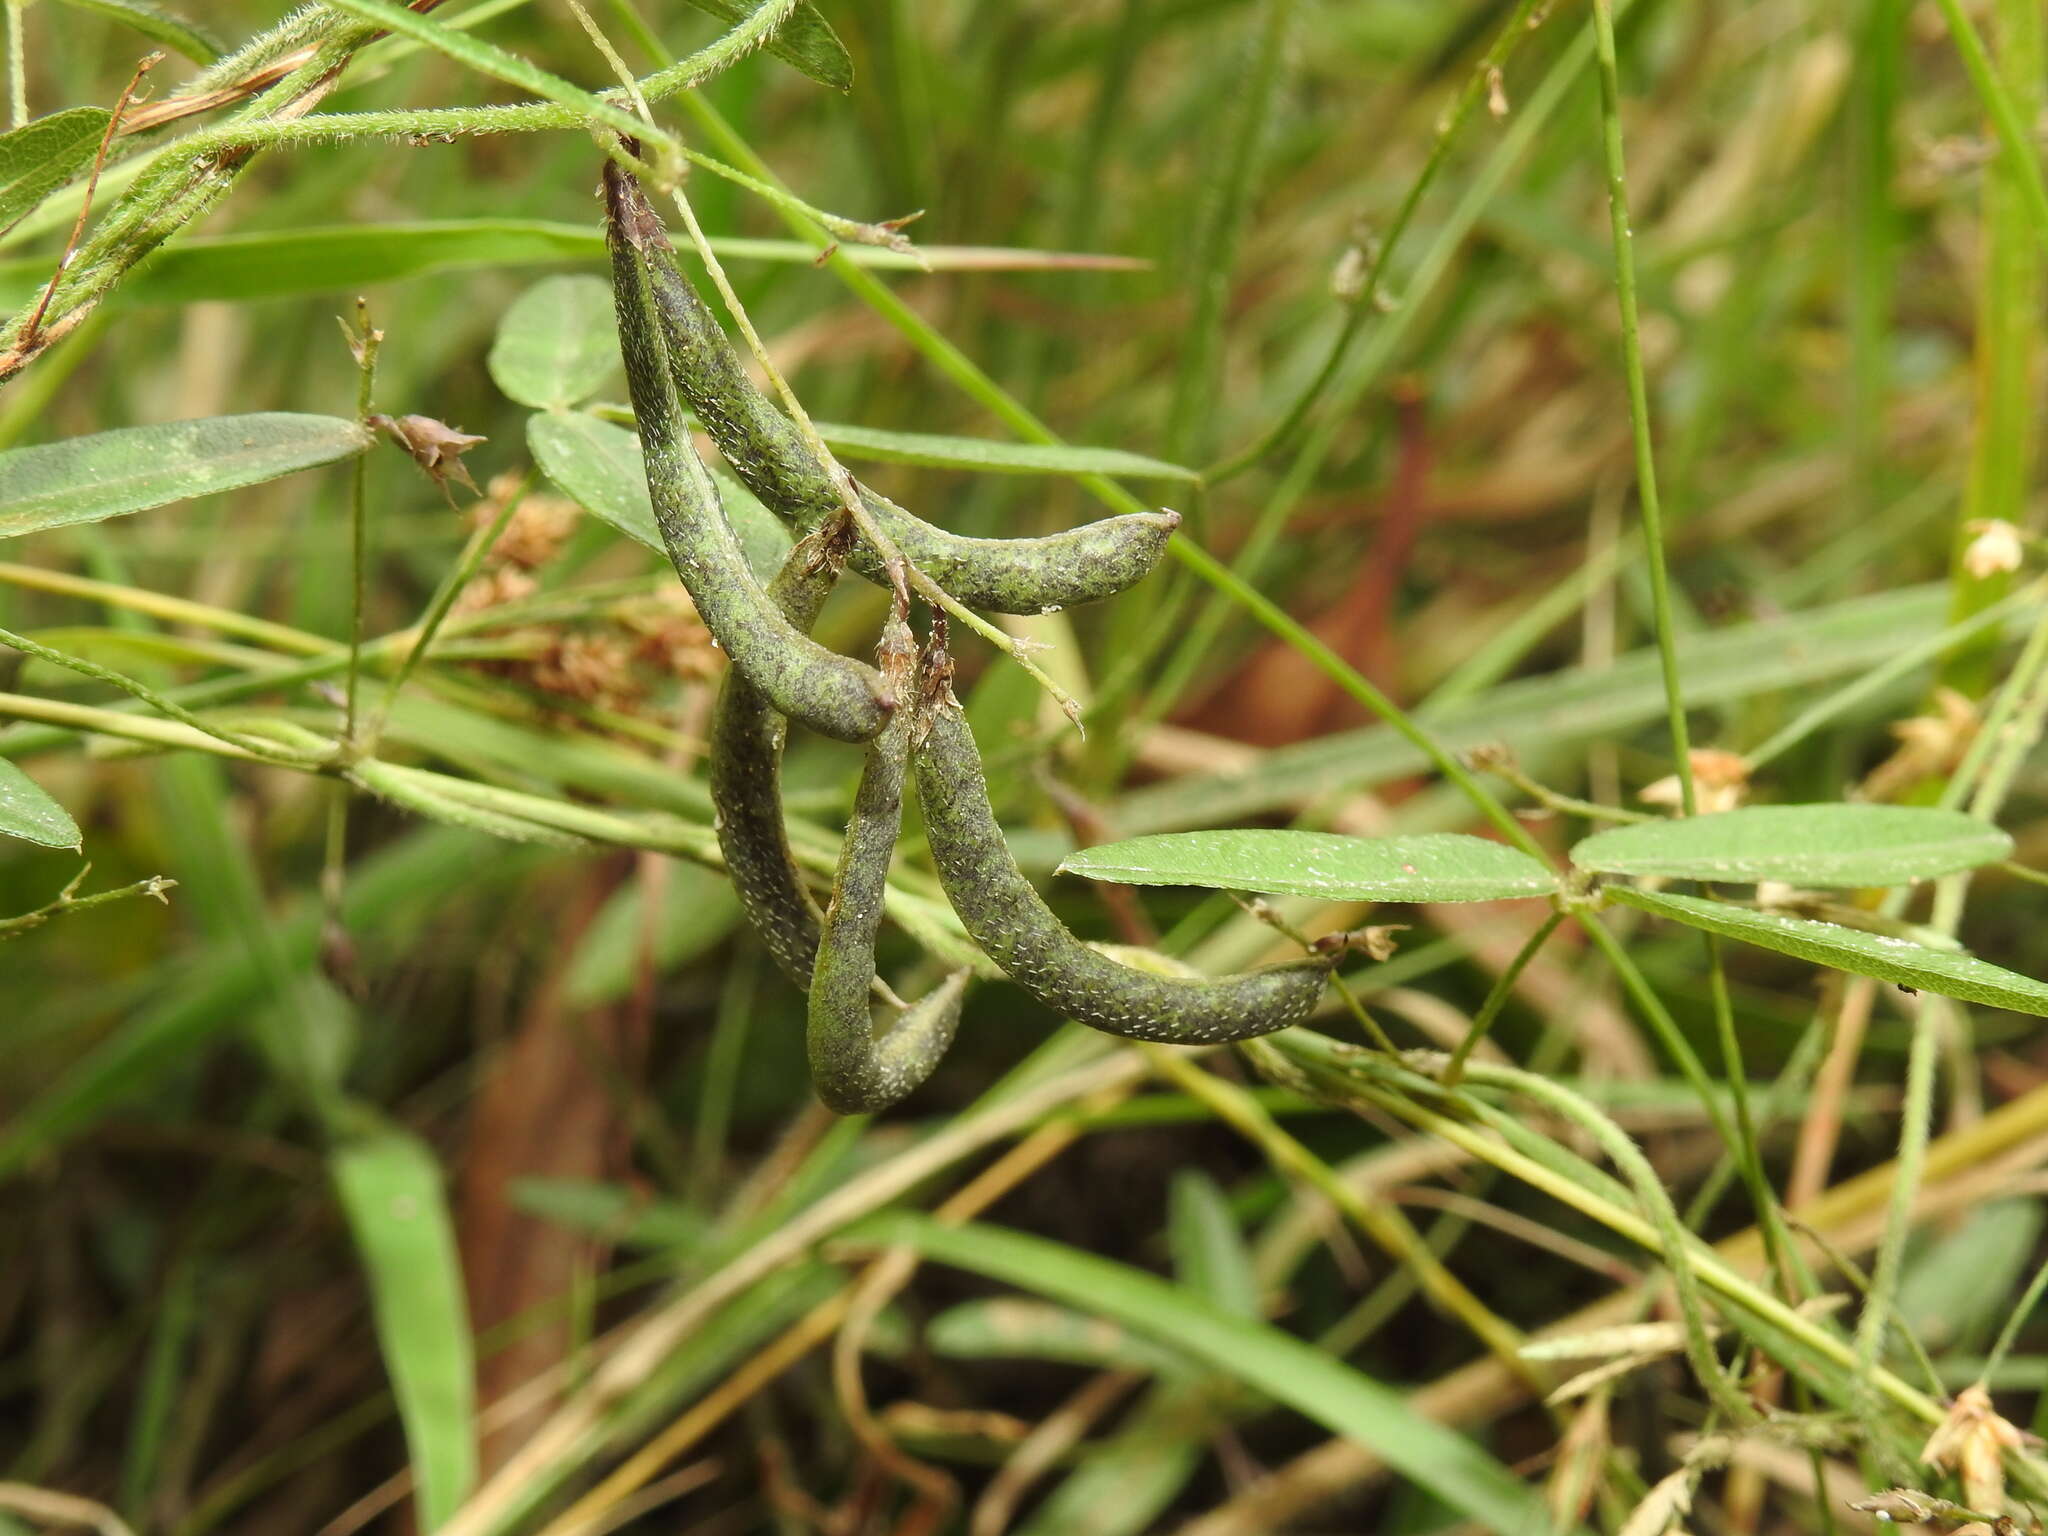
(1437, 866)
(39, 157)
(390, 1189)
(87, 479)
(28, 812)
(978, 453)
(342, 258)
(600, 466)
(1850, 949)
(557, 343)
(1820, 845)
(805, 40)
(1276, 1363)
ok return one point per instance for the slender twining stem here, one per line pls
(1496, 999)
(1638, 392)
(246, 744)
(363, 341)
(444, 597)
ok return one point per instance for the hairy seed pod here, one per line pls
(1005, 915)
(771, 458)
(852, 1070)
(745, 770)
(830, 693)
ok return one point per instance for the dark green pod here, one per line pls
(745, 771)
(853, 1071)
(771, 458)
(830, 693)
(1005, 915)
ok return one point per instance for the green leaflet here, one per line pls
(1438, 866)
(1822, 845)
(131, 469)
(557, 343)
(601, 468)
(389, 1186)
(28, 812)
(1850, 949)
(35, 160)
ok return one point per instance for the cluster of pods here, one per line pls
(678, 357)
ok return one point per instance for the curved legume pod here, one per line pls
(745, 771)
(853, 1071)
(1005, 915)
(830, 693)
(771, 458)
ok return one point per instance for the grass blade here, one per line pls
(1283, 1367)
(390, 1190)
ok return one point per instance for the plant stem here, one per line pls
(1638, 393)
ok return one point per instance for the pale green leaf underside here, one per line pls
(1820, 845)
(131, 469)
(28, 812)
(976, 453)
(1437, 866)
(557, 343)
(39, 157)
(390, 1190)
(1850, 949)
(600, 467)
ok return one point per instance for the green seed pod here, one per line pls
(1005, 915)
(745, 770)
(771, 458)
(830, 693)
(852, 1070)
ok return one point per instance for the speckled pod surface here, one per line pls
(852, 1070)
(830, 693)
(1005, 915)
(771, 458)
(745, 771)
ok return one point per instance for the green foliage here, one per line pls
(389, 1185)
(1381, 298)
(1440, 866)
(28, 812)
(1344, 1401)
(557, 344)
(1885, 956)
(39, 157)
(131, 469)
(1823, 845)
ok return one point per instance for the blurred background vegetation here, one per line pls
(228, 1301)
